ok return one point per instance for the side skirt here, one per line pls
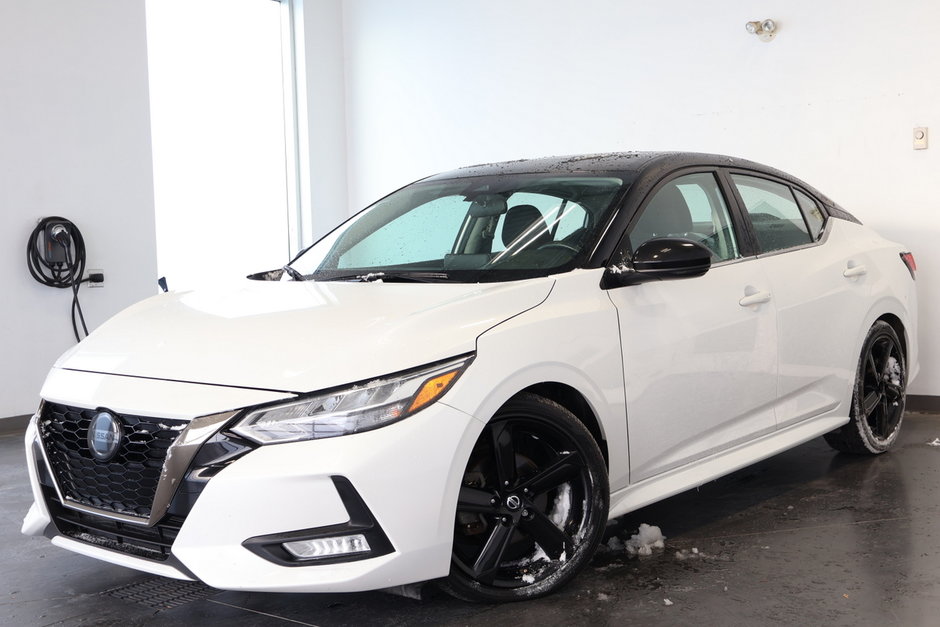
(702, 471)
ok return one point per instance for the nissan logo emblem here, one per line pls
(513, 502)
(104, 436)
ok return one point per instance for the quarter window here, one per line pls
(691, 207)
(774, 213)
(813, 214)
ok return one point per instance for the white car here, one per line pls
(466, 380)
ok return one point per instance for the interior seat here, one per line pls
(666, 215)
(525, 219)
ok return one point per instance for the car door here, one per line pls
(699, 354)
(820, 289)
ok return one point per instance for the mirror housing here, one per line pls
(660, 259)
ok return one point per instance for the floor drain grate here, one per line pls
(162, 593)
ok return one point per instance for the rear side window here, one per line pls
(775, 214)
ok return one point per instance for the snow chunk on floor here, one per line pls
(614, 544)
(602, 597)
(936, 442)
(647, 538)
(667, 602)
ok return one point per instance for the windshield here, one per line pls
(469, 230)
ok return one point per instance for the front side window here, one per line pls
(488, 228)
(777, 219)
(690, 207)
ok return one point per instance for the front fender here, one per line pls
(572, 338)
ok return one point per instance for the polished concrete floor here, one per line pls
(809, 537)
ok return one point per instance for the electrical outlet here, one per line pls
(92, 283)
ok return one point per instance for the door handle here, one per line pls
(854, 271)
(754, 299)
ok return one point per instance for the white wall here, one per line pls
(75, 142)
(321, 83)
(833, 99)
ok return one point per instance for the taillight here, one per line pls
(908, 259)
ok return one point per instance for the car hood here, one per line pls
(299, 336)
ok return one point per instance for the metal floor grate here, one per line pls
(162, 593)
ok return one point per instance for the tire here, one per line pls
(532, 505)
(878, 398)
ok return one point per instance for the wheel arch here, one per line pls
(898, 327)
(901, 318)
(575, 402)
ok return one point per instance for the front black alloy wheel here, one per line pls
(878, 398)
(532, 506)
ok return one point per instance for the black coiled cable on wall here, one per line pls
(55, 255)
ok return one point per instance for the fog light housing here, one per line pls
(359, 538)
(323, 548)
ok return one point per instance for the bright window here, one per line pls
(216, 94)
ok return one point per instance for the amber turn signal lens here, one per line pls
(431, 389)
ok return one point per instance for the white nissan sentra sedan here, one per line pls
(466, 380)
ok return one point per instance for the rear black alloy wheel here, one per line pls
(879, 396)
(532, 506)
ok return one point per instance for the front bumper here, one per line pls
(406, 474)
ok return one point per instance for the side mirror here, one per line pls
(660, 259)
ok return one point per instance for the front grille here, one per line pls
(151, 543)
(124, 485)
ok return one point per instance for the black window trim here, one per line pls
(744, 237)
(742, 210)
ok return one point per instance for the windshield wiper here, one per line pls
(400, 277)
(293, 273)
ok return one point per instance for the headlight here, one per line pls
(354, 409)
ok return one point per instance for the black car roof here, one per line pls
(595, 163)
(645, 164)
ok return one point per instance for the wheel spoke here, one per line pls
(565, 468)
(870, 402)
(553, 540)
(883, 359)
(487, 564)
(883, 417)
(504, 454)
(871, 366)
(474, 500)
(889, 350)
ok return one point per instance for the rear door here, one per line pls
(820, 286)
(699, 354)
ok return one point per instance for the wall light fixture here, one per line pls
(765, 29)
